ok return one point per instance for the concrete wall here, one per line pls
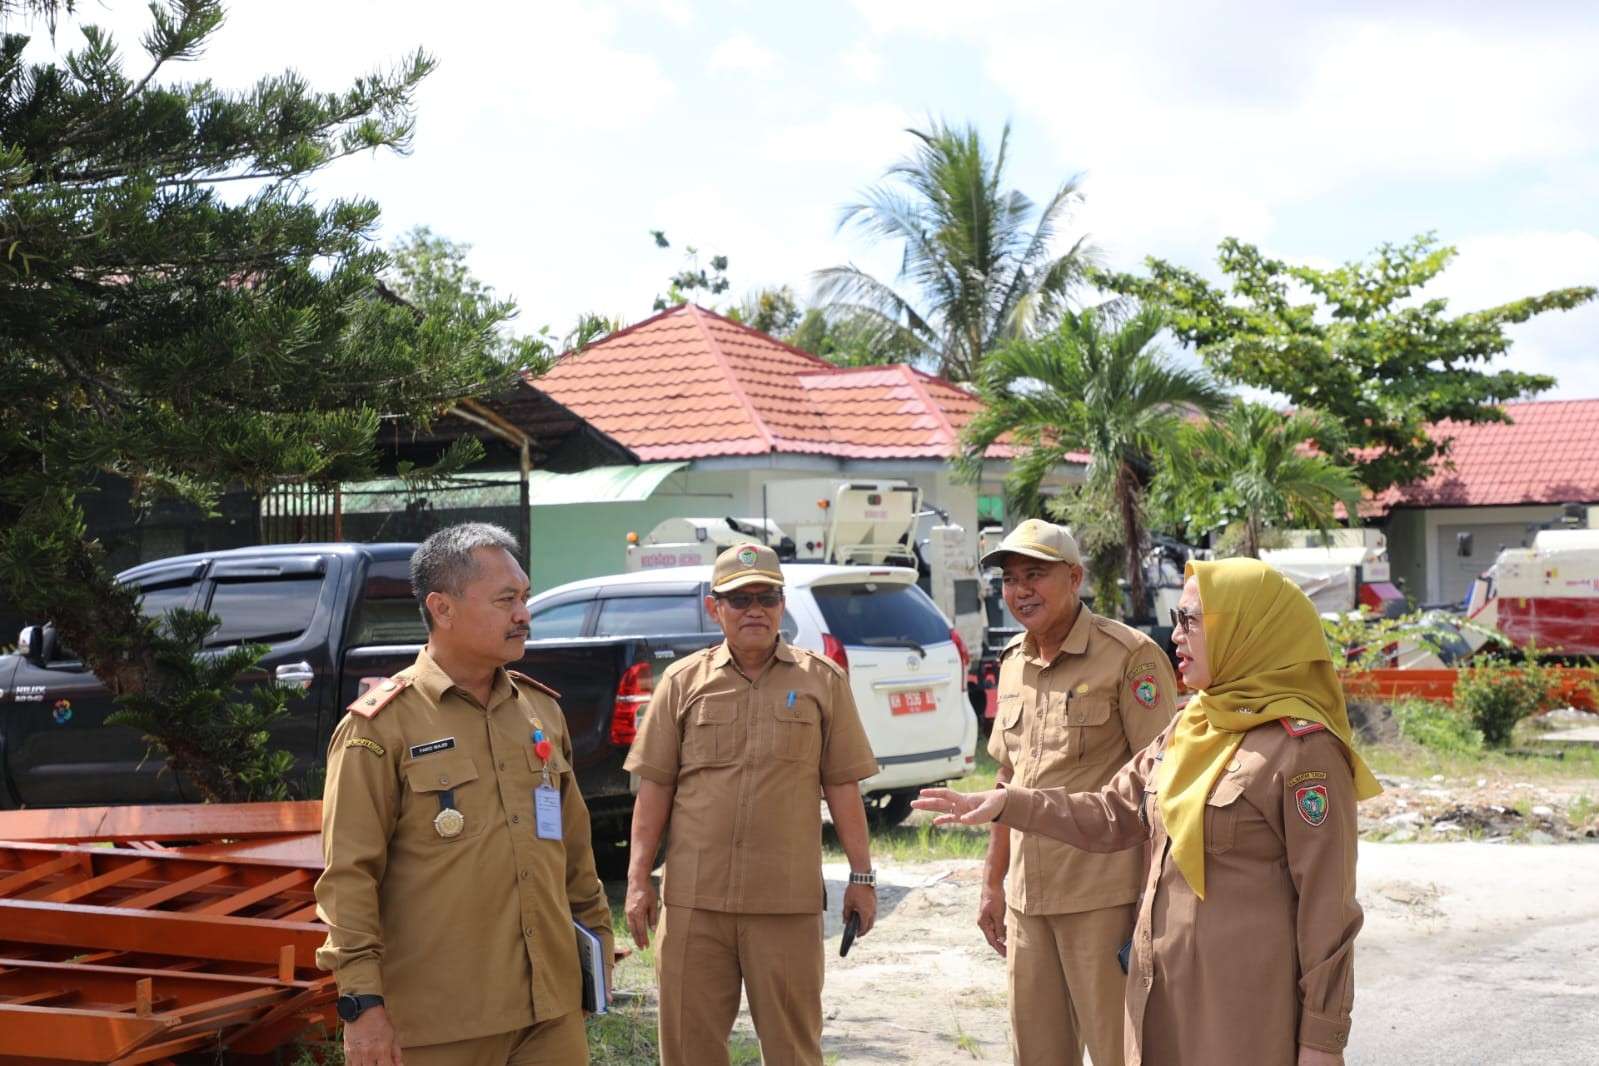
(1422, 545)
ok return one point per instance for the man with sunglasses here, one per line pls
(738, 745)
(1078, 696)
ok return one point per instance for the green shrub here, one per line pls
(1496, 694)
(1437, 726)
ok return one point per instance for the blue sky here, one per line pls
(555, 135)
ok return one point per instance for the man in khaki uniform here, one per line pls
(456, 841)
(739, 743)
(1079, 695)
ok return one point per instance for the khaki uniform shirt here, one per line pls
(470, 935)
(1279, 913)
(1071, 723)
(747, 758)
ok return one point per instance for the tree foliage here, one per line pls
(430, 273)
(1250, 466)
(980, 259)
(176, 311)
(695, 281)
(1097, 384)
(1358, 343)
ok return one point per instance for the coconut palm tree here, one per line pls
(977, 274)
(1097, 384)
(1252, 466)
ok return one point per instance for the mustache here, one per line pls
(516, 633)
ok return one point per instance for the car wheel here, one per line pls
(887, 811)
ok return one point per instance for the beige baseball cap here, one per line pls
(1037, 539)
(746, 564)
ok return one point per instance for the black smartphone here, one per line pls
(851, 928)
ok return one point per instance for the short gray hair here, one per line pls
(444, 563)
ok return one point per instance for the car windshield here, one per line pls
(871, 614)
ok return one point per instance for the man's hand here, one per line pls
(961, 808)
(991, 916)
(861, 900)
(1315, 1056)
(369, 1040)
(642, 907)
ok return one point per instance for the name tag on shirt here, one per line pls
(547, 812)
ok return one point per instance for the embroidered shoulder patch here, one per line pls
(1145, 690)
(1308, 775)
(379, 696)
(1298, 727)
(1311, 802)
(541, 686)
(370, 745)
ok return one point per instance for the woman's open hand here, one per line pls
(961, 808)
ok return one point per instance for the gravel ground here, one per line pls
(1472, 953)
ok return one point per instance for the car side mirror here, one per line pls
(1463, 545)
(30, 642)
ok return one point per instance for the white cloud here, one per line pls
(862, 62)
(743, 54)
(1497, 268)
(849, 134)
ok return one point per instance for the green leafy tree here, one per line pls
(1357, 343)
(774, 311)
(695, 281)
(851, 338)
(1250, 466)
(430, 273)
(1097, 384)
(1090, 512)
(179, 313)
(978, 258)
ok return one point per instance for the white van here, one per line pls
(907, 667)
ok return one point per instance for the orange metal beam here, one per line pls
(256, 893)
(159, 932)
(188, 821)
(73, 1035)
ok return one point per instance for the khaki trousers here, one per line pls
(1066, 988)
(702, 958)
(560, 1041)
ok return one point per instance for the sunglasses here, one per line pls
(741, 601)
(1184, 619)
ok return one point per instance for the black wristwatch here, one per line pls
(352, 1007)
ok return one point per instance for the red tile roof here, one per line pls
(690, 384)
(1548, 453)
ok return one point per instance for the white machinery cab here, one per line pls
(834, 521)
(696, 541)
(1547, 594)
(1340, 578)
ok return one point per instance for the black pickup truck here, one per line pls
(335, 617)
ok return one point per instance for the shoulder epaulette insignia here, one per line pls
(378, 696)
(1298, 727)
(541, 686)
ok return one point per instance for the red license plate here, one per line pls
(919, 702)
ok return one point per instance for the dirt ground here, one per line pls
(1472, 952)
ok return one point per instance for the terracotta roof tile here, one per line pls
(689, 384)
(1547, 454)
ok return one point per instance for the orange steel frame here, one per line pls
(177, 940)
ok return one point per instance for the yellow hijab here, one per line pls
(1268, 660)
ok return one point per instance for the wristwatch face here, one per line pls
(349, 1008)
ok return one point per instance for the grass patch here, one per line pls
(916, 841)
(1545, 764)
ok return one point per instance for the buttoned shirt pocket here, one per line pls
(796, 730)
(1087, 719)
(1221, 814)
(1008, 712)
(436, 782)
(708, 733)
(557, 762)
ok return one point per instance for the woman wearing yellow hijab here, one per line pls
(1244, 948)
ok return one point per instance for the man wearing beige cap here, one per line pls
(1078, 696)
(737, 745)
